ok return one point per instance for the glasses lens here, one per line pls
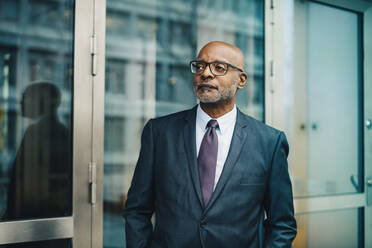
(197, 67)
(218, 68)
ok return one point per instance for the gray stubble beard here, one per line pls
(222, 96)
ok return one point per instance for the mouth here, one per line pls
(204, 86)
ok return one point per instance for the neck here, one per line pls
(216, 110)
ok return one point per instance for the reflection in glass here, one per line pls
(36, 55)
(40, 182)
(148, 48)
(323, 92)
(59, 243)
(336, 229)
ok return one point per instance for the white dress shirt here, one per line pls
(224, 132)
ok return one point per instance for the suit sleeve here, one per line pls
(139, 206)
(280, 224)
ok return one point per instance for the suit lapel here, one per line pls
(237, 142)
(189, 137)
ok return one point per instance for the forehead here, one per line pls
(218, 53)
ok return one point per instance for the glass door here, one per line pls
(45, 100)
(321, 100)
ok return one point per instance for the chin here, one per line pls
(205, 98)
(208, 100)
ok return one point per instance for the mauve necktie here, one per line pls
(207, 160)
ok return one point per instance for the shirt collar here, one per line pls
(224, 122)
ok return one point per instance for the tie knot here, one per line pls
(212, 123)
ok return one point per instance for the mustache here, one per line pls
(206, 85)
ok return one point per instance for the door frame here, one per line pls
(85, 125)
(275, 101)
(98, 119)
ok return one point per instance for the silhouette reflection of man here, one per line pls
(40, 184)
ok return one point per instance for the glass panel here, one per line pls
(331, 229)
(59, 243)
(148, 47)
(36, 56)
(323, 93)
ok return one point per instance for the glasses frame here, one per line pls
(210, 68)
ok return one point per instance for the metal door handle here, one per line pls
(354, 183)
(368, 124)
(369, 182)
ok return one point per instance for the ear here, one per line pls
(242, 80)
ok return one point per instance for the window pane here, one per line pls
(148, 47)
(324, 96)
(35, 108)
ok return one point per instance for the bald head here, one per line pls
(218, 50)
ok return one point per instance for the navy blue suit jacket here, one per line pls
(254, 179)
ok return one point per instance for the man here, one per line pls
(210, 173)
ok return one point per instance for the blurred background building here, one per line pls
(307, 64)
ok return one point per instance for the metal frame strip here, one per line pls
(328, 203)
(36, 230)
(82, 130)
(98, 104)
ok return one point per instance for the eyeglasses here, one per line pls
(217, 68)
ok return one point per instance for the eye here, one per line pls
(220, 67)
(199, 66)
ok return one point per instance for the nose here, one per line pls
(207, 73)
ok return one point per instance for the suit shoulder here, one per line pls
(166, 120)
(265, 136)
(173, 116)
(261, 127)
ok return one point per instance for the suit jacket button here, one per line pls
(203, 222)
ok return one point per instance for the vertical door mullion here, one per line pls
(367, 115)
(82, 123)
(98, 120)
(269, 60)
